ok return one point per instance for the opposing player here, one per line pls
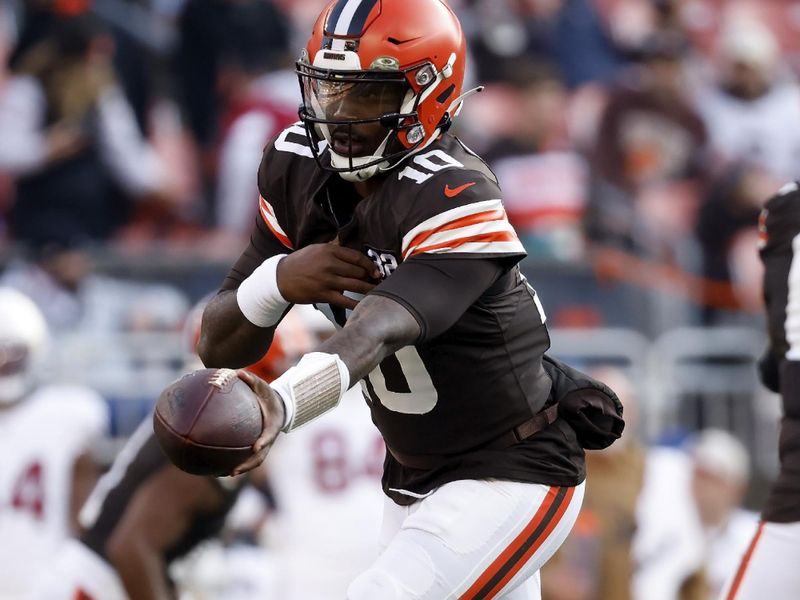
(143, 515)
(769, 567)
(46, 436)
(483, 474)
(324, 478)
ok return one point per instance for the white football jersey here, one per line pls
(40, 438)
(326, 479)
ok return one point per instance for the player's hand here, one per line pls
(322, 272)
(273, 415)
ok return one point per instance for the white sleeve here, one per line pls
(130, 157)
(240, 155)
(23, 148)
(90, 416)
(668, 545)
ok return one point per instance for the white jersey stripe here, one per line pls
(268, 214)
(792, 324)
(446, 217)
(460, 233)
(481, 248)
(94, 503)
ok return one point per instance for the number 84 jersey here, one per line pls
(455, 391)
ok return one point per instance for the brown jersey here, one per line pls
(135, 465)
(453, 391)
(780, 252)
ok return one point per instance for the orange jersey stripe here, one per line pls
(266, 213)
(498, 236)
(737, 581)
(483, 217)
(517, 543)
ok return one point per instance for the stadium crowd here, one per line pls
(635, 139)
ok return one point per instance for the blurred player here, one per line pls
(46, 434)
(769, 568)
(146, 520)
(325, 477)
(484, 477)
(143, 517)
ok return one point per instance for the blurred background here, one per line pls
(635, 142)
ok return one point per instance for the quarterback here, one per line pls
(483, 473)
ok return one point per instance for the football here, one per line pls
(207, 421)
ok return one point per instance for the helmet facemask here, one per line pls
(368, 120)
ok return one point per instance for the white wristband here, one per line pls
(312, 387)
(258, 296)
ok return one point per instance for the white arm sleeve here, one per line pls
(131, 158)
(23, 148)
(240, 155)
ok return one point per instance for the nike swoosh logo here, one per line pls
(453, 192)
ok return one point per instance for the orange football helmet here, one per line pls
(380, 79)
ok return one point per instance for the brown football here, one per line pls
(207, 422)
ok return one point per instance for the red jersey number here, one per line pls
(28, 494)
(334, 469)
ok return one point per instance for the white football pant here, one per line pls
(470, 540)
(79, 573)
(771, 566)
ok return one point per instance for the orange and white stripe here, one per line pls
(481, 227)
(512, 558)
(268, 214)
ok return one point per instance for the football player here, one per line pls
(769, 567)
(144, 515)
(483, 478)
(46, 436)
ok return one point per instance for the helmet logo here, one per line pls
(385, 63)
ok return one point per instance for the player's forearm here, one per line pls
(142, 571)
(227, 338)
(378, 328)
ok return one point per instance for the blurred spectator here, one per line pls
(728, 215)
(71, 139)
(691, 532)
(254, 112)
(595, 562)
(60, 280)
(205, 28)
(753, 111)
(648, 155)
(568, 33)
(47, 436)
(545, 183)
